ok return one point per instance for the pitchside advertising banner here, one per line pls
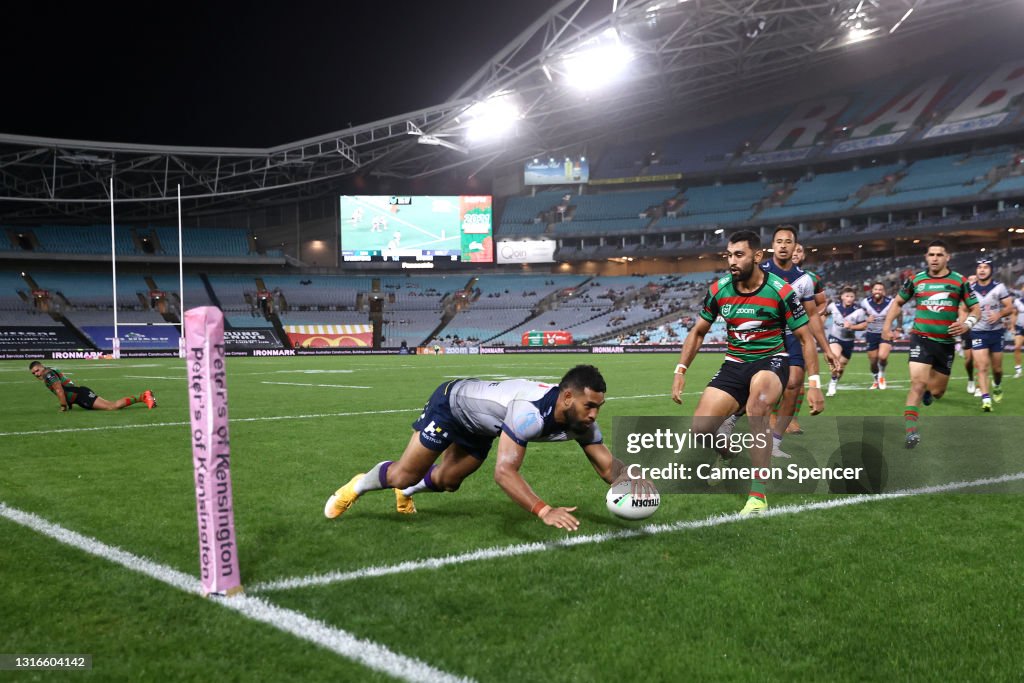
(134, 337)
(861, 455)
(37, 339)
(251, 338)
(329, 336)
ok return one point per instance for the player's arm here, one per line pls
(895, 308)
(613, 470)
(963, 326)
(1007, 311)
(814, 396)
(506, 475)
(62, 397)
(856, 327)
(691, 345)
(816, 323)
(607, 466)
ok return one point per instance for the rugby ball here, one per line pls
(622, 503)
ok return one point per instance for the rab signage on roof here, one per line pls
(526, 251)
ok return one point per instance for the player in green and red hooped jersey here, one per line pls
(70, 394)
(756, 307)
(938, 293)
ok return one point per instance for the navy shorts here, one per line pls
(734, 378)
(931, 352)
(795, 351)
(439, 429)
(84, 396)
(993, 341)
(965, 340)
(1019, 331)
(846, 347)
(875, 340)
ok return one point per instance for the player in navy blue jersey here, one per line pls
(876, 306)
(462, 420)
(781, 263)
(1017, 324)
(847, 319)
(996, 304)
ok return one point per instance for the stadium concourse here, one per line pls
(359, 270)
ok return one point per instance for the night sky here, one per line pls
(239, 74)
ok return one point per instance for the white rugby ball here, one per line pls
(622, 503)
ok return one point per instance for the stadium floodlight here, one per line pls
(597, 62)
(858, 34)
(492, 118)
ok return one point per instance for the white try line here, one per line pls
(366, 652)
(306, 384)
(647, 530)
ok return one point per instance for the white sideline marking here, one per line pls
(234, 419)
(647, 530)
(306, 384)
(368, 653)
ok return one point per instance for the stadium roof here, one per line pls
(676, 56)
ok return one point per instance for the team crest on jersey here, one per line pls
(726, 310)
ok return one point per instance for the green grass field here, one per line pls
(921, 587)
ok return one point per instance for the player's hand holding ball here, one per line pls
(632, 499)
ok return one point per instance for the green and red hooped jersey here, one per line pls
(755, 320)
(937, 303)
(53, 376)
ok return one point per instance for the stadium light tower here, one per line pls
(597, 62)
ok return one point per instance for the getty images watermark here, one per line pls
(733, 444)
(835, 454)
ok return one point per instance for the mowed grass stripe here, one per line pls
(368, 653)
(647, 530)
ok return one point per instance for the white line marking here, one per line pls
(72, 430)
(368, 653)
(647, 530)
(305, 384)
(152, 377)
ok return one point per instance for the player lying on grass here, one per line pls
(68, 394)
(757, 306)
(460, 423)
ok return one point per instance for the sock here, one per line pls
(881, 369)
(910, 418)
(424, 484)
(128, 400)
(757, 488)
(835, 378)
(799, 401)
(375, 479)
(985, 396)
(777, 438)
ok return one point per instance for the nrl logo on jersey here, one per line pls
(729, 309)
(747, 330)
